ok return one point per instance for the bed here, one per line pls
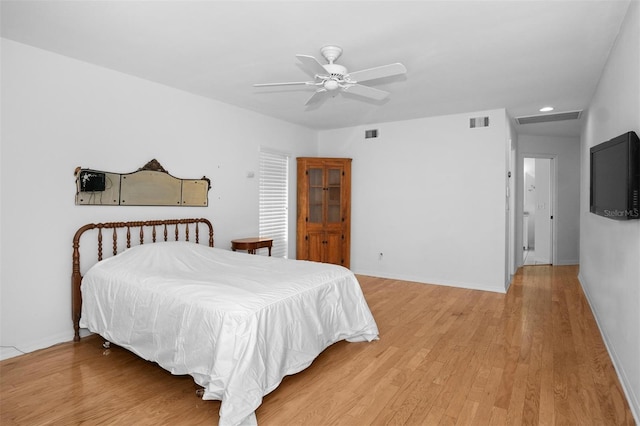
(237, 323)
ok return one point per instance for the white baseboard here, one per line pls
(632, 398)
(499, 288)
(566, 262)
(9, 352)
(27, 347)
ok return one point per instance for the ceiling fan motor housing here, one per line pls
(335, 71)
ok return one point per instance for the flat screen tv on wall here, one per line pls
(615, 178)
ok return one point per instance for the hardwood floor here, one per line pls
(446, 356)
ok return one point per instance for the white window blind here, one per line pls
(274, 200)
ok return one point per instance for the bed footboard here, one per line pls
(178, 227)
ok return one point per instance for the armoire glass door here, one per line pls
(316, 195)
(334, 190)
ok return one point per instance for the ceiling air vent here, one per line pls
(546, 118)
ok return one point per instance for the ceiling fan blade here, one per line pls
(292, 83)
(312, 64)
(377, 72)
(316, 97)
(366, 91)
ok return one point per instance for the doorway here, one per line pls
(537, 224)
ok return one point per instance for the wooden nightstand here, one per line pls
(252, 244)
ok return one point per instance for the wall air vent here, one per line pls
(546, 118)
(478, 122)
(369, 134)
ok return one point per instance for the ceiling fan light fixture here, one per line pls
(331, 85)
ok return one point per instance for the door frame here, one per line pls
(520, 201)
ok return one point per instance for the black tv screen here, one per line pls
(615, 178)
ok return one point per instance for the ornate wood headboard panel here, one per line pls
(160, 230)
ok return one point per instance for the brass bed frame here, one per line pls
(76, 276)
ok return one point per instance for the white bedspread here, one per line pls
(236, 323)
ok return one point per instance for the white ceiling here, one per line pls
(461, 56)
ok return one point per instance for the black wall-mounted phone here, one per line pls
(91, 181)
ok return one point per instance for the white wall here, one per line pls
(566, 153)
(430, 194)
(59, 113)
(610, 249)
(529, 201)
(512, 254)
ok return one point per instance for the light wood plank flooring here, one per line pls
(446, 356)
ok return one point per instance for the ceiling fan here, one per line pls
(332, 78)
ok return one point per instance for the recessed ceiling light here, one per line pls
(546, 109)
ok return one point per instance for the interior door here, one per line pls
(543, 211)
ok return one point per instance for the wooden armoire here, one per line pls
(324, 210)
